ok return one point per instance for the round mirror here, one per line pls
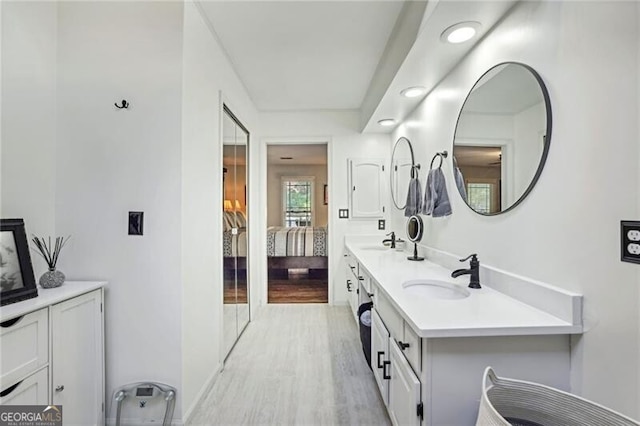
(414, 229)
(402, 170)
(502, 138)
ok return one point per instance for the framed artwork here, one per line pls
(17, 281)
(326, 198)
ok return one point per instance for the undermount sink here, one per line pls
(435, 289)
(380, 248)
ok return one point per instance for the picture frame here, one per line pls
(17, 281)
(326, 196)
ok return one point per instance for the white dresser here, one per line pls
(52, 351)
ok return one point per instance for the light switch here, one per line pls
(136, 222)
(381, 224)
(343, 213)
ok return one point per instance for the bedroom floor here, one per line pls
(306, 286)
(295, 364)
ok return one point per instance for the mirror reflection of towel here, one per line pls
(460, 183)
(414, 198)
(436, 200)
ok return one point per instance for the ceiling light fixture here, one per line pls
(413, 92)
(387, 122)
(460, 32)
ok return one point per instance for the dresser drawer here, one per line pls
(23, 346)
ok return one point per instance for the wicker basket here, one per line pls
(518, 403)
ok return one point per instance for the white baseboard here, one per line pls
(203, 392)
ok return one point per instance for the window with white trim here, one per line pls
(298, 202)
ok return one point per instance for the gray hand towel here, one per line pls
(414, 198)
(460, 183)
(436, 200)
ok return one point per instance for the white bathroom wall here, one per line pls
(206, 73)
(28, 119)
(340, 130)
(566, 232)
(112, 161)
(275, 173)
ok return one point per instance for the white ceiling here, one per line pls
(304, 55)
(333, 55)
(301, 154)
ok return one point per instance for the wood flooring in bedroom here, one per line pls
(295, 365)
(311, 287)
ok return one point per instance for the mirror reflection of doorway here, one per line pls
(297, 218)
(482, 168)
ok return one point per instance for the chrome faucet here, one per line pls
(474, 271)
(392, 240)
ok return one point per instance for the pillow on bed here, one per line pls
(234, 220)
(241, 219)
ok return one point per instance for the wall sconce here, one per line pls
(227, 205)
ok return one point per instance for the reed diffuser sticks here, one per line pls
(49, 252)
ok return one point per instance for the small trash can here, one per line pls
(364, 319)
(509, 402)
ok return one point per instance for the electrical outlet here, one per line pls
(381, 224)
(630, 241)
(634, 235)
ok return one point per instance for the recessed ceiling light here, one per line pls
(387, 122)
(460, 32)
(413, 92)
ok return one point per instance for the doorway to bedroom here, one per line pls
(297, 219)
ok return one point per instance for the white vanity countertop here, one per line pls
(49, 296)
(486, 312)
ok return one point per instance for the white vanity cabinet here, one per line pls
(437, 381)
(52, 349)
(77, 353)
(366, 188)
(380, 354)
(397, 381)
(405, 406)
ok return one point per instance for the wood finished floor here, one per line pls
(295, 365)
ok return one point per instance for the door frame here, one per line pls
(313, 140)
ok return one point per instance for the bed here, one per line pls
(287, 248)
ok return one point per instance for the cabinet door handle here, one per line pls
(352, 267)
(349, 285)
(380, 362)
(369, 294)
(385, 375)
(402, 345)
(59, 388)
(10, 389)
(361, 278)
(9, 323)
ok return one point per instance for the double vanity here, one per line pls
(432, 336)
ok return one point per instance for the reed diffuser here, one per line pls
(50, 253)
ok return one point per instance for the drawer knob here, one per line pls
(403, 345)
(59, 388)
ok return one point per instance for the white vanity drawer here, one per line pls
(389, 316)
(413, 352)
(34, 390)
(23, 346)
